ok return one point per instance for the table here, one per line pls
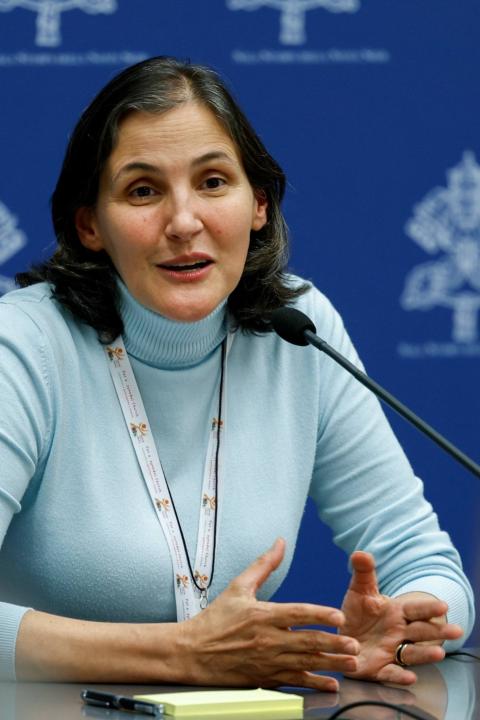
(447, 691)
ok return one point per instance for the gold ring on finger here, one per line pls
(398, 658)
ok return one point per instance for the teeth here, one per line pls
(187, 266)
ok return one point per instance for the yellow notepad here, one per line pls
(231, 703)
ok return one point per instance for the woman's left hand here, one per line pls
(381, 623)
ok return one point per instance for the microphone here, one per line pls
(295, 327)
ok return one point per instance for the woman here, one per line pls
(159, 437)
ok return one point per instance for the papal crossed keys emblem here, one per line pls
(49, 11)
(12, 239)
(292, 17)
(446, 224)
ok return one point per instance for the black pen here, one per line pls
(120, 702)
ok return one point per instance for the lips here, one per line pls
(186, 267)
(187, 263)
(192, 268)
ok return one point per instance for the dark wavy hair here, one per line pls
(85, 281)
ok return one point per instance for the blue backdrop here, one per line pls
(373, 110)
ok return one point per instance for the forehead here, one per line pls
(184, 132)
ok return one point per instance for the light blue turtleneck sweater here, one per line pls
(79, 535)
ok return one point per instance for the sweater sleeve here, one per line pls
(367, 493)
(24, 429)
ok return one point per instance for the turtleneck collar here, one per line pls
(158, 341)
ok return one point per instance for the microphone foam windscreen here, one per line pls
(291, 324)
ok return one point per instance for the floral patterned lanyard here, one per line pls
(191, 586)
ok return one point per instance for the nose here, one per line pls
(183, 220)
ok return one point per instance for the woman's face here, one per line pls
(174, 211)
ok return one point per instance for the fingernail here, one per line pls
(337, 618)
(332, 686)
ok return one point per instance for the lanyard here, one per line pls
(191, 585)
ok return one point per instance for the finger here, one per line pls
(298, 614)
(364, 577)
(424, 609)
(315, 641)
(251, 579)
(422, 654)
(395, 674)
(319, 661)
(306, 680)
(419, 632)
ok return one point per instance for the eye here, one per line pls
(214, 183)
(142, 191)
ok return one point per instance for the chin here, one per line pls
(186, 306)
(188, 314)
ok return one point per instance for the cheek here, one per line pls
(234, 233)
(218, 230)
(231, 220)
(128, 235)
(238, 256)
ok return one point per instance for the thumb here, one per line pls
(251, 579)
(364, 577)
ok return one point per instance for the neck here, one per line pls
(161, 342)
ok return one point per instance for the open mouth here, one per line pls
(187, 267)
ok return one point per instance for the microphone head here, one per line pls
(291, 324)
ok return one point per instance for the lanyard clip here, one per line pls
(203, 598)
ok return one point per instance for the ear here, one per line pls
(87, 229)
(260, 208)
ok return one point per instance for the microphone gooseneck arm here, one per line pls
(295, 327)
(391, 400)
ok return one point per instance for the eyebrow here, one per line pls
(136, 165)
(213, 155)
(148, 167)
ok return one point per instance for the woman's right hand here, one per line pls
(241, 641)
(236, 641)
